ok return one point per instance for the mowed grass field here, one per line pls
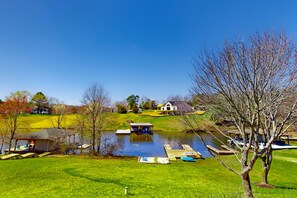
(113, 122)
(83, 176)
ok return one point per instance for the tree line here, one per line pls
(89, 119)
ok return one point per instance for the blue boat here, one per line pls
(187, 159)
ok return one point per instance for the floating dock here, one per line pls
(26, 155)
(11, 156)
(172, 154)
(228, 150)
(123, 132)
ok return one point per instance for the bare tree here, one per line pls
(252, 83)
(79, 123)
(58, 108)
(95, 100)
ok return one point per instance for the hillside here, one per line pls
(114, 121)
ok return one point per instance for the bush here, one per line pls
(121, 108)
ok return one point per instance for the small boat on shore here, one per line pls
(187, 159)
(278, 145)
(154, 160)
(84, 146)
(19, 149)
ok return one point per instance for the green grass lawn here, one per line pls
(64, 176)
(114, 121)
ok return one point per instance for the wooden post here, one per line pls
(15, 145)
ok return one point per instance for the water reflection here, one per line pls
(152, 145)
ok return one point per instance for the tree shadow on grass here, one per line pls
(74, 173)
(285, 187)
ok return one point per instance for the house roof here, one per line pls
(172, 102)
(181, 105)
(46, 134)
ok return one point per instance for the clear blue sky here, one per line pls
(130, 47)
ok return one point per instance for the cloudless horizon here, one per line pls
(142, 47)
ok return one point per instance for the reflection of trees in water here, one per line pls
(109, 144)
(141, 138)
(173, 138)
(120, 139)
(125, 144)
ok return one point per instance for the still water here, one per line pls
(151, 145)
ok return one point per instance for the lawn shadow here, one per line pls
(286, 188)
(74, 173)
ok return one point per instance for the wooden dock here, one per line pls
(229, 151)
(123, 132)
(11, 156)
(44, 154)
(172, 154)
(27, 155)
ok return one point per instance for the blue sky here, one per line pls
(130, 47)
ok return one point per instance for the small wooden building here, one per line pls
(142, 128)
(44, 140)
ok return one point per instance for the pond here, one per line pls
(153, 145)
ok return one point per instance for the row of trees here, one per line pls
(253, 83)
(90, 119)
(132, 104)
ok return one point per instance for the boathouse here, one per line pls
(142, 128)
(44, 140)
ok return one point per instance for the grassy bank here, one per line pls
(114, 121)
(83, 176)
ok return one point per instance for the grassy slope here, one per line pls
(114, 121)
(82, 176)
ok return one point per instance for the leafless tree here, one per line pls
(252, 82)
(95, 100)
(79, 123)
(58, 108)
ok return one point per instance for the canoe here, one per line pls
(187, 159)
(84, 146)
(154, 160)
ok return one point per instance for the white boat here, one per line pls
(19, 148)
(279, 147)
(154, 160)
(84, 146)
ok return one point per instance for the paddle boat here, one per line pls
(154, 160)
(187, 159)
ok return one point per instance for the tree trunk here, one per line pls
(266, 164)
(99, 143)
(246, 184)
(81, 143)
(265, 173)
(1, 144)
(10, 140)
(93, 143)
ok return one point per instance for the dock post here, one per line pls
(126, 190)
